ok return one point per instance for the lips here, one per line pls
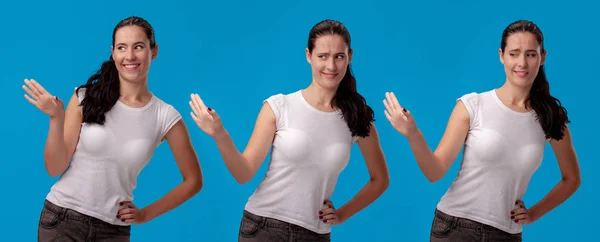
(522, 73)
(130, 67)
(329, 75)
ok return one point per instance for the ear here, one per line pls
(350, 56)
(155, 52)
(543, 57)
(112, 52)
(308, 56)
(501, 55)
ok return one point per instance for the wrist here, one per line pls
(342, 216)
(533, 214)
(60, 115)
(143, 216)
(414, 134)
(221, 135)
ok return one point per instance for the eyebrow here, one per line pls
(525, 50)
(136, 43)
(324, 53)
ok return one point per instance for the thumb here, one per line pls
(407, 114)
(212, 112)
(57, 100)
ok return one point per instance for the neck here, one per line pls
(515, 96)
(319, 97)
(134, 92)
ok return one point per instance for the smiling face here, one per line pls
(329, 60)
(133, 53)
(522, 57)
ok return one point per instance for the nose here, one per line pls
(521, 61)
(330, 64)
(130, 55)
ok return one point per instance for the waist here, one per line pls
(93, 199)
(72, 214)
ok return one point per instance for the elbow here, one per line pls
(382, 183)
(53, 173)
(574, 182)
(242, 180)
(433, 179)
(196, 185)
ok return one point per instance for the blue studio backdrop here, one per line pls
(235, 54)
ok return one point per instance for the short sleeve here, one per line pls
(277, 104)
(471, 103)
(80, 94)
(169, 117)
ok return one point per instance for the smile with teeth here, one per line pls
(131, 66)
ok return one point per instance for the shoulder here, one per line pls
(278, 101)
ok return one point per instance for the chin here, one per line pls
(522, 83)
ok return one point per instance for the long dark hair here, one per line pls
(357, 114)
(550, 113)
(102, 88)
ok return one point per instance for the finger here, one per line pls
(195, 108)
(395, 102)
(128, 220)
(127, 204)
(30, 100)
(330, 221)
(518, 211)
(126, 216)
(390, 103)
(199, 101)
(124, 211)
(407, 114)
(521, 217)
(30, 92)
(326, 211)
(329, 203)
(329, 216)
(36, 87)
(387, 115)
(194, 117)
(387, 106)
(213, 113)
(57, 101)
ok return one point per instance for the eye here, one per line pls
(139, 47)
(340, 56)
(532, 54)
(512, 54)
(321, 57)
(121, 48)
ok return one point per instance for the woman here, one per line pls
(109, 132)
(311, 132)
(504, 132)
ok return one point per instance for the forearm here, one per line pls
(426, 159)
(55, 154)
(234, 160)
(177, 196)
(369, 193)
(560, 193)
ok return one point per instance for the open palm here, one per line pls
(400, 118)
(206, 118)
(42, 99)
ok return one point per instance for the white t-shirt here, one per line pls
(310, 149)
(108, 158)
(502, 151)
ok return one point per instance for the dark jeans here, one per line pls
(62, 224)
(446, 228)
(254, 228)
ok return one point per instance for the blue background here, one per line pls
(237, 53)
